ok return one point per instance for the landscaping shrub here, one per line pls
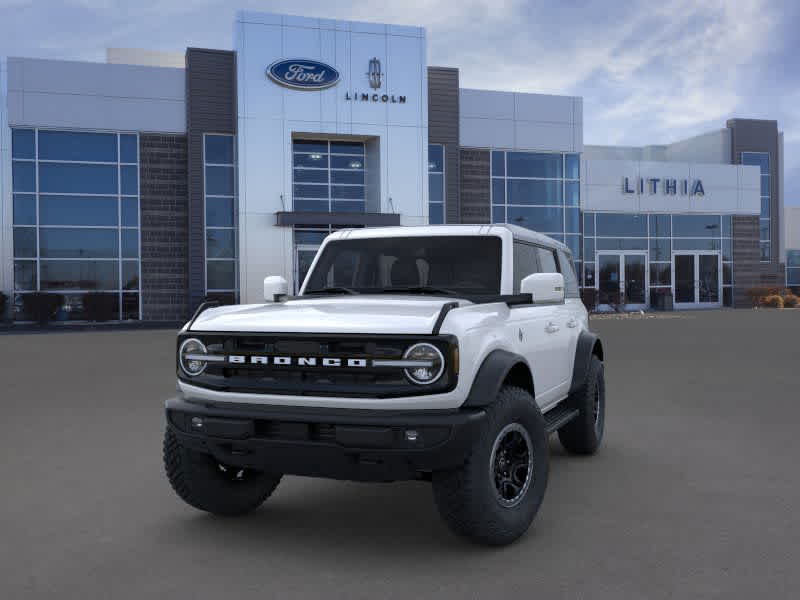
(790, 301)
(99, 306)
(41, 306)
(773, 301)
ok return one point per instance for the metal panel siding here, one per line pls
(210, 108)
(443, 128)
(475, 198)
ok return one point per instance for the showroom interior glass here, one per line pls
(328, 176)
(76, 220)
(761, 160)
(435, 184)
(793, 269)
(663, 241)
(219, 157)
(540, 191)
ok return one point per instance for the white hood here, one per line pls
(377, 314)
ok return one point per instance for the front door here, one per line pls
(622, 280)
(697, 279)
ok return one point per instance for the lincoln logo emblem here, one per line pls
(374, 74)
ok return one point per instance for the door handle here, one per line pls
(551, 327)
(573, 322)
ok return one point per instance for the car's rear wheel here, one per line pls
(493, 498)
(584, 433)
(206, 484)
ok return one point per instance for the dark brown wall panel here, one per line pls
(443, 129)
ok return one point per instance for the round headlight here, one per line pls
(431, 363)
(190, 357)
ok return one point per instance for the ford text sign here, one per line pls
(303, 74)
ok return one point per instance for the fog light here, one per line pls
(197, 422)
(411, 435)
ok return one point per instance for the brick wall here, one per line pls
(165, 231)
(475, 199)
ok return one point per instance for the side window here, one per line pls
(547, 260)
(568, 271)
(525, 263)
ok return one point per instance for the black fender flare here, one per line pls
(589, 345)
(491, 375)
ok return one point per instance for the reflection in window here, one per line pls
(219, 155)
(761, 160)
(328, 176)
(435, 184)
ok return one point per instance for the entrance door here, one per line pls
(697, 279)
(622, 280)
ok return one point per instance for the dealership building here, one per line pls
(163, 179)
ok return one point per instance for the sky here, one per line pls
(650, 72)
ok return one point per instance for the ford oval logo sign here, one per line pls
(303, 74)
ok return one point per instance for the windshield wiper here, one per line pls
(331, 290)
(418, 289)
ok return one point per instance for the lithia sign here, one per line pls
(306, 74)
(667, 186)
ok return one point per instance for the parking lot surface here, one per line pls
(695, 493)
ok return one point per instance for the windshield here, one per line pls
(450, 265)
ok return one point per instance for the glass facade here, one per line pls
(328, 176)
(793, 268)
(221, 223)
(435, 184)
(76, 220)
(761, 160)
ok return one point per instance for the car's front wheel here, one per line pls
(206, 484)
(493, 497)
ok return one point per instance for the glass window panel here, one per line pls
(311, 205)
(765, 185)
(436, 187)
(347, 192)
(77, 145)
(526, 262)
(727, 273)
(765, 207)
(348, 206)
(219, 149)
(25, 275)
(315, 160)
(79, 275)
(435, 158)
(572, 189)
(793, 258)
(23, 143)
(313, 238)
(347, 148)
(219, 181)
(221, 275)
(498, 214)
(25, 242)
(219, 212)
(130, 243)
(357, 177)
(588, 274)
(660, 274)
(588, 249)
(547, 260)
(763, 229)
(532, 164)
(588, 224)
(759, 159)
(574, 243)
(311, 175)
(23, 176)
(130, 212)
(660, 249)
(625, 225)
(695, 244)
(130, 274)
(310, 146)
(573, 166)
(24, 209)
(498, 163)
(696, 225)
(793, 277)
(220, 243)
(621, 243)
(77, 210)
(342, 162)
(129, 183)
(660, 226)
(77, 179)
(766, 251)
(727, 226)
(310, 191)
(559, 237)
(56, 242)
(130, 307)
(543, 219)
(436, 213)
(572, 222)
(498, 191)
(128, 148)
(528, 191)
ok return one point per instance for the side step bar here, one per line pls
(559, 416)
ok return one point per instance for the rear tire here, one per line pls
(584, 433)
(493, 497)
(204, 483)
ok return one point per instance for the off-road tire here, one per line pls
(201, 482)
(584, 433)
(467, 496)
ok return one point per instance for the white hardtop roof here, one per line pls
(520, 233)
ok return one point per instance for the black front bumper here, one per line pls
(342, 444)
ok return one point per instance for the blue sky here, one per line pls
(649, 72)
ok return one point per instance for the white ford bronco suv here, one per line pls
(441, 353)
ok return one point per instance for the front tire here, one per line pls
(493, 497)
(584, 433)
(204, 483)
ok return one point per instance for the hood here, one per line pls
(378, 314)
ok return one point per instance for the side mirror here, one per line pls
(275, 289)
(545, 288)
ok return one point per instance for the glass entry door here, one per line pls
(697, 279)
(621, 280)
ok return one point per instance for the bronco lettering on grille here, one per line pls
(301, 361)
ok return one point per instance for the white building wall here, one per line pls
(791, 228)
(269, 115)
(713, 147)
(541, 122)
(81, 95)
